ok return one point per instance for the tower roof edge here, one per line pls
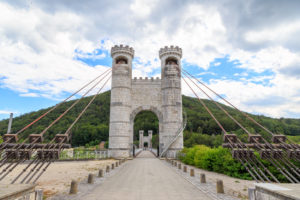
(122, 49)
(170, 50)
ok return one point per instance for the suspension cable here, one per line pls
(219, 106)
(60, 144)
(76, 102)
(45, 130)
(246, 115)
(33, 142)
(43, 115)
(253, 161)
(207, 109)
(86, 107)
(288, 163)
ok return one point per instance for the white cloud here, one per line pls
(40, 57)
(7, 112)
(279, 33)
(204, 73)
(92, 56)
(217, 64)
(272, 58)
(276, 99)
(29, 95)
(38, 44)
(142, 8)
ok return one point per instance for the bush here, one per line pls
(191, 139)
(214, 159)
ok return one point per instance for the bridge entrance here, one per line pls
(129, 96)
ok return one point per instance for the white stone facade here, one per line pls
(129, 96)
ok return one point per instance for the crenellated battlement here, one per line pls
(122, 49)
(170, 50)
(146, 80)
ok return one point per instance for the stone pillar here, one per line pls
(120, 105)
(141, 139)
(90, 179)
(184, 168)
(202, 178)
(74, 187)
(192, 172)
(171, 98)
(220, 187)
(100, 173)
(10, 123)
(150, 133)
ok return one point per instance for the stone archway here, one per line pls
(140, 109)
(129, 96)
(153, 109)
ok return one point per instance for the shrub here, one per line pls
(214, 159)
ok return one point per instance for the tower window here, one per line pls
(171, 61)
(121, 61)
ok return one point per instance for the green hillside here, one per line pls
(93, 126)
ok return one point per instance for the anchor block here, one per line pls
(253, 139)
(48, 154)
(18, 154)
(11, 138)
(230, 138)
(36, 138)
(293, 153)
(61, 138)
(242, 153)
(277, 139)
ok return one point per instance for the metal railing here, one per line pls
(83, 154)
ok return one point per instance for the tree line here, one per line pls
(93, 126)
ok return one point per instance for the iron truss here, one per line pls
(33, 151)
(280, 152)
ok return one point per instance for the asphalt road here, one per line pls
(145, 178)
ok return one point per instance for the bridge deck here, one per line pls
(146, 177)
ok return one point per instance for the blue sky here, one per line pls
(251, 59)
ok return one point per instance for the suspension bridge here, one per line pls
(129, 96)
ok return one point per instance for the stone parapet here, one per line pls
(146, 80)
(267, 191)
(170, 51)
(122, 50)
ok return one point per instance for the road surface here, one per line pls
(145, 178)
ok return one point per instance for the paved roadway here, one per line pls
(145, 178)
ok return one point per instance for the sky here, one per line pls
(248, 51)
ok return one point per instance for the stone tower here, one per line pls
(171, 97)
(120, 104)
(131, 96)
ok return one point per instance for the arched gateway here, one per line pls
(131, 96)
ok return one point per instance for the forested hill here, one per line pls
(93, 126)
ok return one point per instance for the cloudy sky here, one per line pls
(248, 51)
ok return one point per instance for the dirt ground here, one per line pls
(58, 177)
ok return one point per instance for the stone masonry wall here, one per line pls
(131, 96)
